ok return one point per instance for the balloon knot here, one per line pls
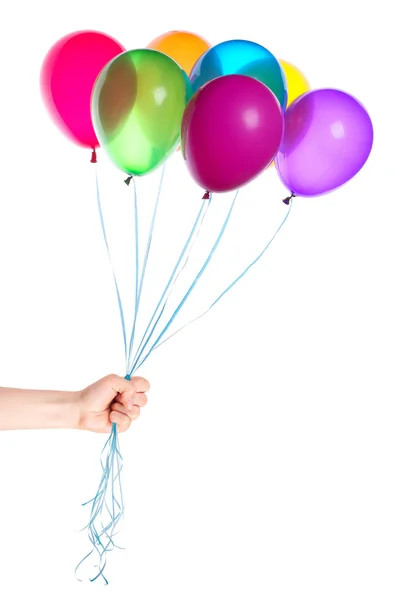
(206, 196)
(128, 180)
(288, 199)
(94, 156)
(127, 377)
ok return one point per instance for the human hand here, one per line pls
(111, 400)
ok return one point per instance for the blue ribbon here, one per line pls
(107, 507)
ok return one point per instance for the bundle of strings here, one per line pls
(107, 506)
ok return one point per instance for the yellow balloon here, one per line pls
(296, 82)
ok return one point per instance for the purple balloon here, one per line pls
(328, 138)
(231, 131)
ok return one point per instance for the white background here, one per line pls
(267, 463)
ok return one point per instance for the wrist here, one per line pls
(69, 410)
(78, 410)
(60, 410)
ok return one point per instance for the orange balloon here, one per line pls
(184, 47)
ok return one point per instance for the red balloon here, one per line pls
(231, 131)
(68, 74)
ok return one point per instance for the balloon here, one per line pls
(242, 58)
(137, 107)
(297, 83)
(118, 96)
(67, 76)
(231, 131)
(184, 47)
(328, 138)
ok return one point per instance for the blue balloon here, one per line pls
(240, 57)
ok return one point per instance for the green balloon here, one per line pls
(137, 106)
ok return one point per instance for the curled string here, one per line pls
(109, 491)
(234, 282)
(107, 507)
(154, 320)
(101, 536)
(139, 360)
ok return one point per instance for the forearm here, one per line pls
(33, 409)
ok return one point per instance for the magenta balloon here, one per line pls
(328, 139)
(67, 77)
(231, 131)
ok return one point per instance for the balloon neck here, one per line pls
(288, 200)
(94, 156)
(206, 196)
(128, 180)
(127, 377)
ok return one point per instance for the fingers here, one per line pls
(131, 401)
(140, 400)
(121, 385)
(123, 416)
(123, 422)
(141, 384)
(130, 393)
(133, 413)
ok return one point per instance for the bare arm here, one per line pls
(32, 409)
(110, 400)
